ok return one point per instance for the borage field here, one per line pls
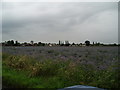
(59, 67)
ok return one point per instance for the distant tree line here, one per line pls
(16, 43)
(11, 43)
(60, 43)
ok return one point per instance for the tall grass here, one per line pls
(23, 71)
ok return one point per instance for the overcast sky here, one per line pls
(51, 22)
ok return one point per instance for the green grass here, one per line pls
(23, 71)
(20, 79)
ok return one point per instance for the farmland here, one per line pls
(59, 67)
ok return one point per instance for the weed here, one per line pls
(22, 71)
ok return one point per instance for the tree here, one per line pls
(39, 43)
(10, 43)
(67, 43)
(87, 43)
(17, 43)
(73, 43)
(32, 42)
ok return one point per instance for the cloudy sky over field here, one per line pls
(50, 21)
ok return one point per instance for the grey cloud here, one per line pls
(54, 19)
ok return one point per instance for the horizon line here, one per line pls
(60, 40)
